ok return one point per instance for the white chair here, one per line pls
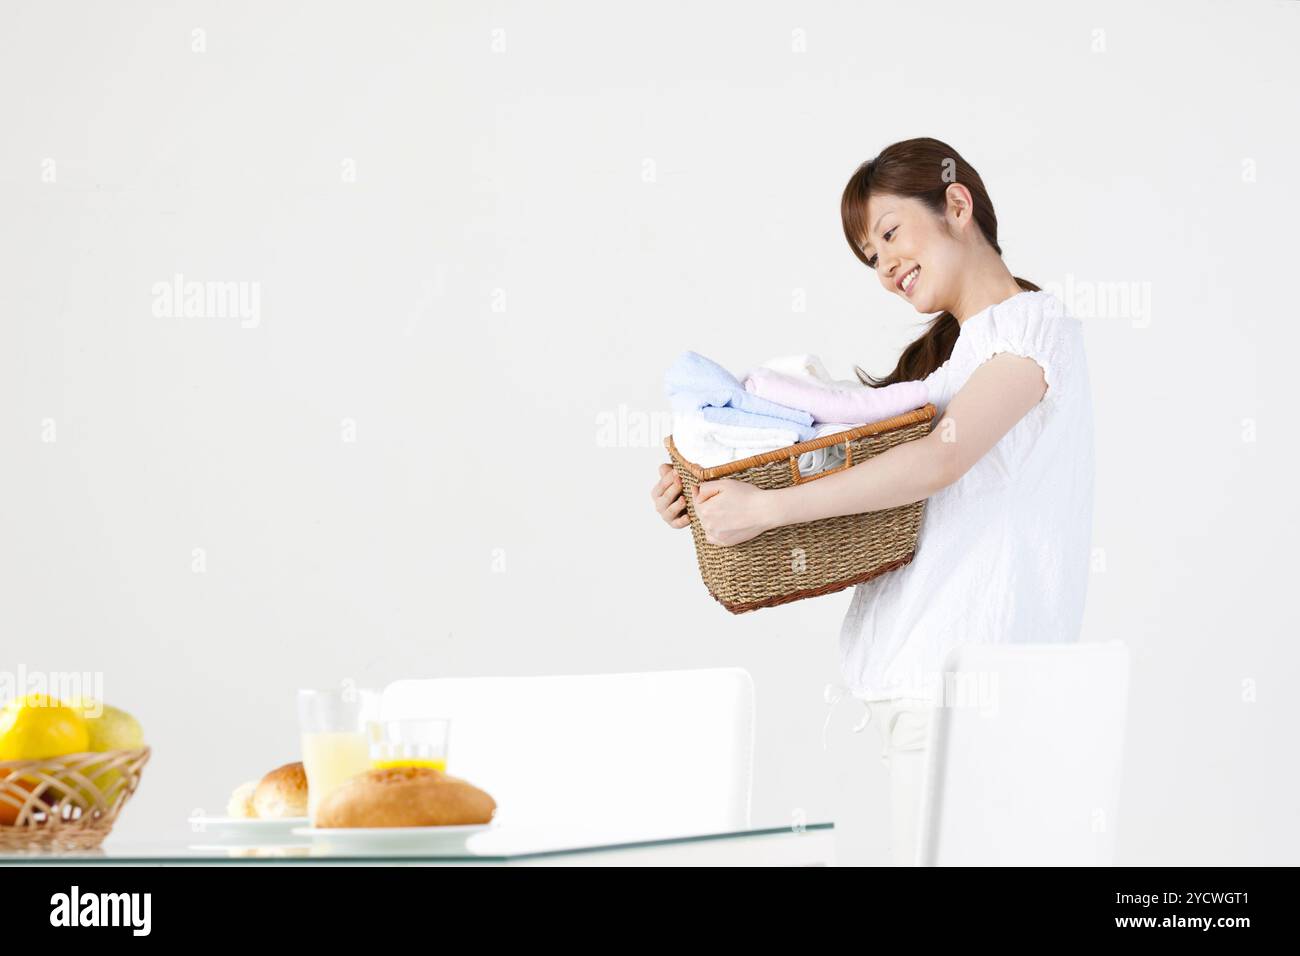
(1024, 759)
(628, 755)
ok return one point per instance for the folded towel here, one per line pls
(695, 381)
(726, 415)
(806, 366)
(860, 404)
(709, 443)
(824, 459)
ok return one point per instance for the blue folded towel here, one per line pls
(701, 384)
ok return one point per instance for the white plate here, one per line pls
(394, 837)
(249, 831)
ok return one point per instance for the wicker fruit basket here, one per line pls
(66, 803)
(818, 557)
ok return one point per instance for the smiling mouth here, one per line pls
(909, 281)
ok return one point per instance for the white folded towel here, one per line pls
(808, 367)
(824, 459)
(709, 443)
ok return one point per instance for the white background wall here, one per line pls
(1153, 145)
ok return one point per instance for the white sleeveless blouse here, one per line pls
(1004, 552)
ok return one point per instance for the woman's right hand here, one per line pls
(668, 498)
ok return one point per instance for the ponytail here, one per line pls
(930, 351)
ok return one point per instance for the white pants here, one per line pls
(903, 724)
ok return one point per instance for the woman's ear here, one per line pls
(960, 205)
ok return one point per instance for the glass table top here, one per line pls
(494, 844)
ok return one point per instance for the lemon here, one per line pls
(39, 726)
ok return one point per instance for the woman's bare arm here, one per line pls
(996, 396)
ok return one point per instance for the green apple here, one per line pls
(112, 729)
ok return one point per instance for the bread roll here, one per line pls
(241, 801)
(282, 793)
(405, 797)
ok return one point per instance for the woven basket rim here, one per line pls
(923, 414)
(33, 762)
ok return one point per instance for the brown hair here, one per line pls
(921, 169)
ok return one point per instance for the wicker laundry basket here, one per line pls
(818, 557)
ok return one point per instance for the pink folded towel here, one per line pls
(837, 403)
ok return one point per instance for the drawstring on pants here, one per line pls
(833, 694)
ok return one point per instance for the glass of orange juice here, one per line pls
(413, 742)
(334, 738)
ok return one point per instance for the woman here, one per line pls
(1007, 469)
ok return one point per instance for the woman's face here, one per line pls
(914, 254)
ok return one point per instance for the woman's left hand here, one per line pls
(732, 511)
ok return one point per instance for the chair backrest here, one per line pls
(647, 754)
(1025, 756)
